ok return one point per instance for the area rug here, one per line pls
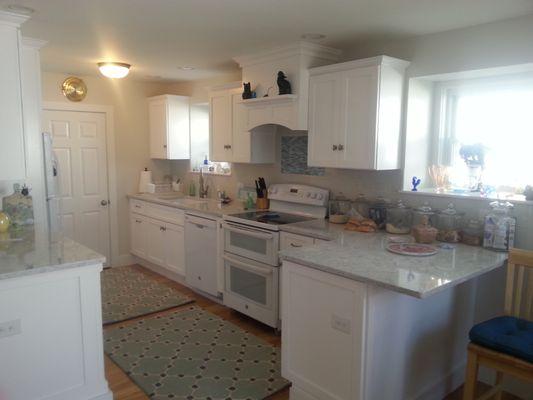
(193, 354)
(128, 293)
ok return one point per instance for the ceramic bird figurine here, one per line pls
(283, 84)
(415, 182)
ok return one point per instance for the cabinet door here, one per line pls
(241, 140)
(155, 243)
(12, 158)
(158, 128)
(220, 126)
(138, 235)
(175, 248)
(357, 138)
(290, 240)
(324, 113)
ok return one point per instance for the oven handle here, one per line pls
(258, 270)
(247, 231)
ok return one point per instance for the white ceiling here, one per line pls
(159, 36)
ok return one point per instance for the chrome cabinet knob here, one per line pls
(334, 147)
(341, 147)
(104, 203)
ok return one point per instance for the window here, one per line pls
(200, 143)
(485, 134)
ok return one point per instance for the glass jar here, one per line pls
(377, 211)
(499, 229)
(361, 205)
(449, 224)
(399, 219)
(339, 210)
(472, 233)
(423, 212)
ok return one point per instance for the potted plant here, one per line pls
(474, 157)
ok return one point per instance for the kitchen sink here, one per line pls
(190, 202)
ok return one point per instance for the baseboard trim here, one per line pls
(444, 386)
(105, 396)
(174, 276)
(124, 259)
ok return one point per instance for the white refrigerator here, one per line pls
(52, 184)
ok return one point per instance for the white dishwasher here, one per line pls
(201, 253)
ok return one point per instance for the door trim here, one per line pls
(108, 111)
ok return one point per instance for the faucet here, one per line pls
(203, 189)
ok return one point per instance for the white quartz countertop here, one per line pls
(203, 206)
(364, 257)
(28, 252)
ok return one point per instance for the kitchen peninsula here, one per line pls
(51, 328)
(395, 326)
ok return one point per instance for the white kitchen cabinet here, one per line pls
(157, 235)
(175, 248)
(169, 127)
(230, 139)
(355, 114)
(138, 235)
(12, 150)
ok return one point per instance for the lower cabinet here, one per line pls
(159, 242)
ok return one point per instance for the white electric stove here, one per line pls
(251, 246)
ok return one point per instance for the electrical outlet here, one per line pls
(10, 328)
(341, 324)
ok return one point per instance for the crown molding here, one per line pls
(12, 19)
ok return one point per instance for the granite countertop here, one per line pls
(363, 257)
(203, 206)
(27, 252)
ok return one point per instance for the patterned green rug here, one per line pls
(128, 293)
(193, 354)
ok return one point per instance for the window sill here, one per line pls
(515, 199)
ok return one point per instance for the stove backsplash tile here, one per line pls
(294, 157)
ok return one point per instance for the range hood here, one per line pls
(261, 70)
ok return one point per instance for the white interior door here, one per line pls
(79, 141)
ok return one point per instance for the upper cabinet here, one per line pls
(169, 127)
(12, 150)
(355, 114)
(230, 139)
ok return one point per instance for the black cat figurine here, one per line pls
(283, 84)
(247, 94)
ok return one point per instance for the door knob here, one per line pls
(104, 203)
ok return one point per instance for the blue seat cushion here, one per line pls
(509, 335)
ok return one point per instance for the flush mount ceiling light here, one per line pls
(16, 8)
(313, 36)
(114, 70)
(186, 68)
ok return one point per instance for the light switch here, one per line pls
(341, 324)
(10, 328)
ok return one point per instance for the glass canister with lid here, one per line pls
(361, 204)
(339, 209)
(377, 211)
(472, 233)
(399, 219)
(449, 223)
(499, 229)
(421, 213)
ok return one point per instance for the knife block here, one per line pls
(262, 203)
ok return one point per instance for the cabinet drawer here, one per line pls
(159, 212)
(290, 240)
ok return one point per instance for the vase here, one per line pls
(474, 177)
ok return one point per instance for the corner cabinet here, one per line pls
(230, 140)
(12, 150)
(169, 127)
(355, 114)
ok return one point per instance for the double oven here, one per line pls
(251, 246)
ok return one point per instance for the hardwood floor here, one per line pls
(124, 389)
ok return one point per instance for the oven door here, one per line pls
(252, 288)
(258, 244)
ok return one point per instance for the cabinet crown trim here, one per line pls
(12, 19)
(365, 62)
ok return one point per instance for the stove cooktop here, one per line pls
(271, 217)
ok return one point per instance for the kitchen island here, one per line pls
(50, 319)
(359, 322)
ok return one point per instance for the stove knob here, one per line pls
(308, 194)
(320, 197)
(313, 196)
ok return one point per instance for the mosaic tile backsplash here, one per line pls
(294, 157)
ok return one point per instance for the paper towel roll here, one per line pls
(145, 179)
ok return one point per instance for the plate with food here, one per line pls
(412, 249)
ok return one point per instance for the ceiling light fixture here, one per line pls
(313, 36)
(17, 8)
(186, 68)
(114, 70)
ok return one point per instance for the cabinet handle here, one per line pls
(164, 146)
(341, 147)
(229, 146)
(296, 245)
(138, 221)
(137, 206)
(162, 228)
(334, 147)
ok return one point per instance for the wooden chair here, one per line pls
(518, 303)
